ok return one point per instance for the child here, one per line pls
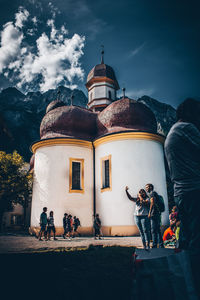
(51, 226)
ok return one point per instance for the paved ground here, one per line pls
(24, 243)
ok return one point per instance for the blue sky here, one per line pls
(153, 46)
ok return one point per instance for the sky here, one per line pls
(152, 45)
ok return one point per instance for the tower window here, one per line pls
(109, 95)
(76, 175)
(106, 173)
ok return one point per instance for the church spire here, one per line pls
(102, 54)
(123, 90)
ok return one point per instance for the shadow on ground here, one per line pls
(94, 273)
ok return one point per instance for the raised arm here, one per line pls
(129, 196)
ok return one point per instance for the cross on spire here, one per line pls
(102, 54)
(123, 90)
(72, 98)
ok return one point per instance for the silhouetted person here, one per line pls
(43, 224)
(182, 149)
(65, 225)
(97, 227)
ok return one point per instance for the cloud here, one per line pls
(136, 50)
(53, 59)
(11, 39)
(21, 17)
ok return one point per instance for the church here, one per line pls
(86, 156)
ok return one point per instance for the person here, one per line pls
(43, 224)
(182, 150)
(65, 227)
(51, 226)
(97, 227)
(169, 237)
(69, 226)
(141, 215)
(76, 224)
(154, 216)
(173, 217)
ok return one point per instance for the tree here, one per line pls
(15, 182)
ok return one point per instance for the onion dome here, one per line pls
(32, 161)
(68, 121)
(102, 72)
(125, 115)
(54, 104)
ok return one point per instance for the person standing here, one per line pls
(76, 224)
(182, 150)
(69, 226)
(65, 227)
(141, 215)
(97, 227)
(43, 224)
(51, 226)
(154, 216)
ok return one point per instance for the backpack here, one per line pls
(160, 203)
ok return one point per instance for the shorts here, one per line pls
(49, 228)
(43, 227)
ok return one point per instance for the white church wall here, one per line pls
(134, 163)
(51, 184)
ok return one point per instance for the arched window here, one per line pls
(109, 95)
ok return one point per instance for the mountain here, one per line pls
(165, 114)
(21, 115)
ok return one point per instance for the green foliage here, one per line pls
(15, 181)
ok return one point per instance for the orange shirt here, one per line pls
(168, 234)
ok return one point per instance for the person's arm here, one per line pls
(129, 196)
(151, 206)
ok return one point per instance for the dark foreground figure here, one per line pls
(182, 149)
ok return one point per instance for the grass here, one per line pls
(93, 273)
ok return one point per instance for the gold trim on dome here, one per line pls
(81, 161)
(127, 136)
(100, 79)
(61, 141)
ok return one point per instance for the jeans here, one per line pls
(155, 231)
(143, 225)
(188, 205)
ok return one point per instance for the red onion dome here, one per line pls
(102, 71)
(54, 104)
(124, 115)
(68, 121)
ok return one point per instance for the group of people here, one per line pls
(147, 215)
(70, 226)
(171, 234)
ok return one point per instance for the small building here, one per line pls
(86, 157)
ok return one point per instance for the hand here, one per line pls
(126, 188)
(149, 216)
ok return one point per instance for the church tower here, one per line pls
(102, 86)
